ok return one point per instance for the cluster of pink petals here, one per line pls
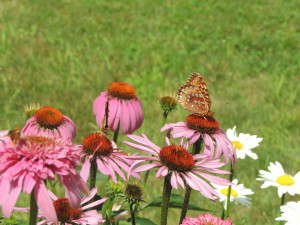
(216, 145)
(66, 130)
(109, 165)
(204, 220)
(127, 114)
(25, 166)
(194, 177)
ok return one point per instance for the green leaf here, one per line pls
(176, 201)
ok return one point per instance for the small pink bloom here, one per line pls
(215, 139)
(179, 163)
(205, 219)
(25, 166)
(51, 122)
(125, 109)
(108, 158)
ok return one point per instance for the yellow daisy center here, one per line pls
(285, 180)
(237, 145)
(233, 193)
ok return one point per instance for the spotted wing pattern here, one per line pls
(194, 96)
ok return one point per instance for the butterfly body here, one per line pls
(194, 96)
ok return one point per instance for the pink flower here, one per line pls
(208, 128)
(51, 122)
(68, 215)
(109, 160)
(125, 109)
(25, 166)
(179, 163)
(205, 220)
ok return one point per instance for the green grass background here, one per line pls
(64, 53)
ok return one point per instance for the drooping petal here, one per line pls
(44, 202)
(10, 200)
(85, 170)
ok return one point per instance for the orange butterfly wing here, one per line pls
(194, 96)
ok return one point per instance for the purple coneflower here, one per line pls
(180, 164)
(205, 219)
(109, 160)
(125, 109)
(25, 166)
(51, 122)
(208, 127)
(68, 215)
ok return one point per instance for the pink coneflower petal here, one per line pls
(113, 111)
(116, 168)
(146, 167)
(85, 170)
(44, 202)
(214, 179)
(102, 168)
(125, 119)
(179, 179)
(140, 147)
(174, 181)
(116, 121)
(162, 171)
(11, 199)
(134, 120)
(99, 103)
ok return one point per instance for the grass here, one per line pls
(64, 53)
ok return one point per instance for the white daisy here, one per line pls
(243, 143)
(290, 213)
(278, 178)
(238, 193)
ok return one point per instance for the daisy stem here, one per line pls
(282, 199)
(132, 214)
(93, 173)
(229, 192)
(33, 210)
(165, 200)
(165, 116)
(116, 134)
(196, 150)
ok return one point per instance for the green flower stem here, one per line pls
(165, 116)
(282, 199)
(196, 150)
(93, 173)
(132, 214)
(165, 200)
(229, 192)
(185, 205)
(116, 134)
(33, 210)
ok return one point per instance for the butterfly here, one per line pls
(194, 97)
